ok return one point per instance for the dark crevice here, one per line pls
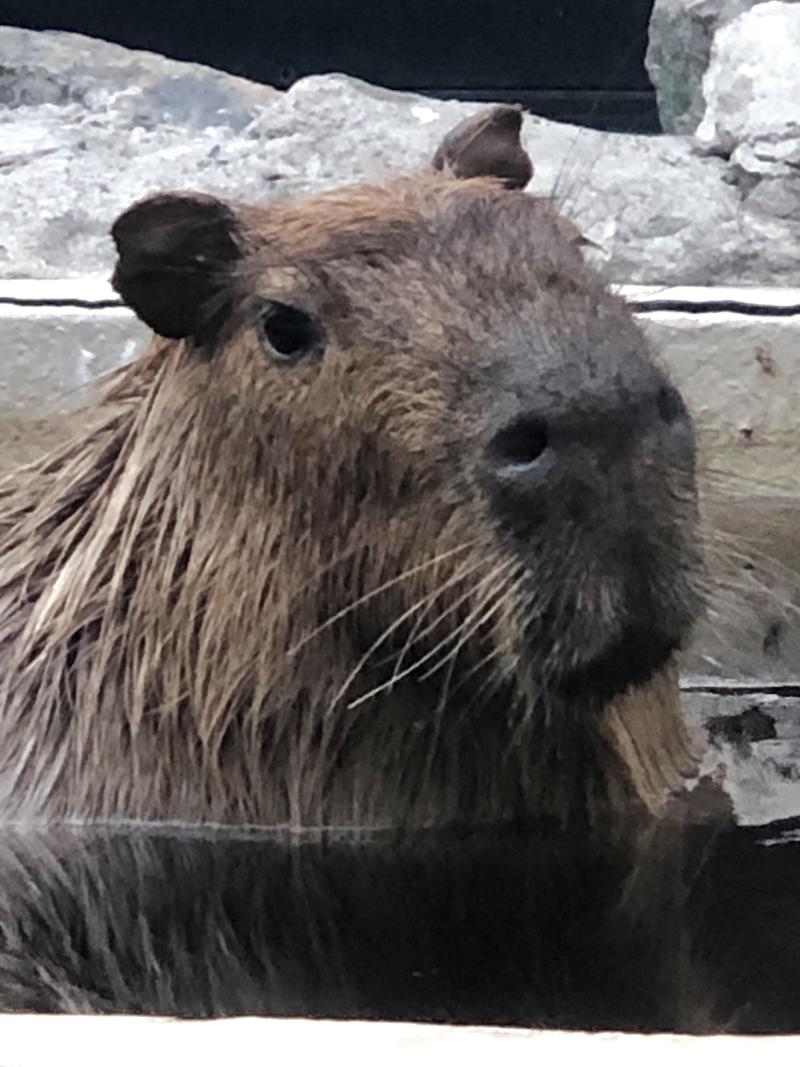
(57, 302)
(780, 689)
(692, 307)
(705, 307)
(752, 724)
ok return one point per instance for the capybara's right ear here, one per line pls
(487, 145)
(175, 254)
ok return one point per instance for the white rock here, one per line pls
(680, 36)
(752, 90)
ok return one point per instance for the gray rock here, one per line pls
(752, 117)
(61, 69)
(678, 53)
(752, 92)
(92, 127)
(752, 749)
(681, 32)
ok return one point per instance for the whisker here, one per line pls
(388, 631)
(468, 629)
(376, 592)
(454, 606)
(428, 655)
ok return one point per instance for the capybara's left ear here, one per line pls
(176, 251)
(487, 145)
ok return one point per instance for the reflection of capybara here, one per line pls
(494, 927)
(392, 524)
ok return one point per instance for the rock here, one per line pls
(752, 92)
(754, 747)
(93, 127)
(752, 117)
(681, 32)
(62, 69)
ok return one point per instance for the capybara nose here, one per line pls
(517, 451)
(536, 464)
(519, 463)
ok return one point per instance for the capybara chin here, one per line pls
(393, 524)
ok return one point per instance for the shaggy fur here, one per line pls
(280, 594)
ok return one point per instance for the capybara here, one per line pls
(393, 524)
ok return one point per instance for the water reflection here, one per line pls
(674, 926)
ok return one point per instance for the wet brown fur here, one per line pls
(199, 596)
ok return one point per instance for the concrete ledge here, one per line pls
(48, 355)
(124, 1041)
(737, 368)
(734, 365)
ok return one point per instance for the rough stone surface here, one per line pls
(753, 749)
(60, 69)
(681, 32)
(752, 119)
(679, 49)
(89, 127)
(752, 87)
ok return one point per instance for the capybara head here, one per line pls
(392, 509)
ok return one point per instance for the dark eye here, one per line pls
(289, 334)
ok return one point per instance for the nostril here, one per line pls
(519, 444)
(670, 405)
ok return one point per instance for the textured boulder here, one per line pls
(61, 69)
(752, 117)
(87, 128)
(681, 33)
(679, 50)
(752, 92)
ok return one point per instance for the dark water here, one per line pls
(666, 927)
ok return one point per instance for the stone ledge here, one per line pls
(57, 336)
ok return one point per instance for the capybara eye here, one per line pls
(289, 334)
